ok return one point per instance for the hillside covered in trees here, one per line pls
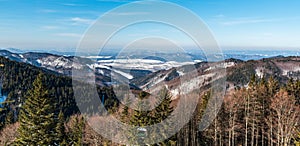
(264, 112)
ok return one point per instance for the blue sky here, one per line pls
(59, 25)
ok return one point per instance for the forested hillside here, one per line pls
(265, 111)
(17, 81)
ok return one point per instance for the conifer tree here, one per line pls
(273, 86)
(37, 124)
(9, 119)
(140, 118)
(60, 129)
(252, 81)
(76, 131)
(162, 111)
(297, 141)
(125, 111)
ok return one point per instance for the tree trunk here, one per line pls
(252, 133)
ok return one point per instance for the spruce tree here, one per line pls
(297, 140)
(9, 119)
(60, 129)
(140, 119)
(37, 124)
(252, 81)
(162, 112)
(76, 131)
(125, 111)
(273, 86)
(163, 109)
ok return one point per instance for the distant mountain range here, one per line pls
(103, 66)
(152, 73)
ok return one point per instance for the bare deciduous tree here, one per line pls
(284, 118)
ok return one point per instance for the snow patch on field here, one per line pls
(94, 66)
(128, 76)
(174, 93)
(259, 72)
(220, 65)
(195, 83)
(142, 64)
(156, 80)
(99, 57)
(292, 69)
(229, 64)
(180, 73)
(39, 61)
(98, 67)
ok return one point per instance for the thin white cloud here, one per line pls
(248, 21)
(253, 20)
(78, 21)
(72, 4)
(49, 27)
(219, 16)
(75, 35)
(89, 13)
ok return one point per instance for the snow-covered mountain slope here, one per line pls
(184, 79)
(103, 66)
(57, 63)
(187, 78)
(151, 74)
(12, 56)
(142, 64)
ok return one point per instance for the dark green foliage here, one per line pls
(190, 134)
(142, 118)
(52, 127)
(161, 113)
(293, 88)
(242, 73)
(60, 129)
(297, 139)
(9, 119)
(18, 79)
(163, 109)
(273, 86)
(270, 65)
(36, 117)
(75, 133)
(125, 110)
